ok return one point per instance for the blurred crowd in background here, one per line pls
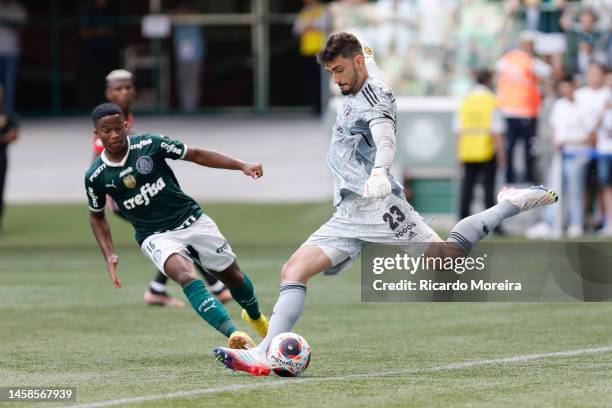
(430, 47)
(533, 74)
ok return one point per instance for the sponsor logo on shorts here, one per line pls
(144, 165)
(170, 148)
(406, 229)
(222, 248)
(157, 255)
(147, 192)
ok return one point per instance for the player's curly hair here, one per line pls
(344, 44)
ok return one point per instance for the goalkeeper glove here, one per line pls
(378, 185)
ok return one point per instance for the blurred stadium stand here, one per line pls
(425, 48)
(246, 40)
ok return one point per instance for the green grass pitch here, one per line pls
(63, 324)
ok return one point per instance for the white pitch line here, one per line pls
(285, 382)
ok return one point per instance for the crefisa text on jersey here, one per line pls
(170, 148)
(147, 192)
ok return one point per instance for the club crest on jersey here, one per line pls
(129, 181)
(368, 50)
(144, 165)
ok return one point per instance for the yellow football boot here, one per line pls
(240, 340)
(260, 325)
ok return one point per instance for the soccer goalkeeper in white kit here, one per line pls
(370, 204)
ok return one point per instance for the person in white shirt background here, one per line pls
(592, 99)
(604, 161)
(571, 132)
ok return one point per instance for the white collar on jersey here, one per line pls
(115, 164)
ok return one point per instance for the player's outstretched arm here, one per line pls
(217, 160)
(378, 185)
(102, 232)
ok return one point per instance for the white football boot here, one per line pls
(252, 361)
(528, 198)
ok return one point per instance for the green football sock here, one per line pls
(245, 296)
(208, 307)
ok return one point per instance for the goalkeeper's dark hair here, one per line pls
(344, 44)
(105, 109)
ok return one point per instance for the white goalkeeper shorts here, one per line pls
(357, 221)
(203, 237)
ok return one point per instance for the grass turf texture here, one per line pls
(63, 324)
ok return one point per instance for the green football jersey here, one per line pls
(143, 186)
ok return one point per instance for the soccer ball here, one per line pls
(289, 355)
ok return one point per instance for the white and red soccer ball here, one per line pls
(289, 354)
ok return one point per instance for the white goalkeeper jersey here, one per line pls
(352, 150)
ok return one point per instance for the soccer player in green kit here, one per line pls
(171, 228)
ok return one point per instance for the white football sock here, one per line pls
(158, 287)
(286, 312)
